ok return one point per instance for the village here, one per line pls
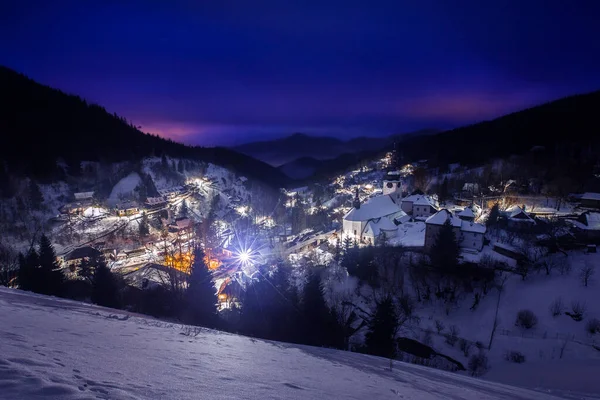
(380, 204)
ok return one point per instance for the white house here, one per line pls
(467, 214)
(470, 235)
(419, 205)
(377, 214)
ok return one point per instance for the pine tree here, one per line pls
(184, 209)
(445, 251)
(27, 277)
(164, 162)
(380, 339)
(201, 297)
(317, 318)
(51, 276)
(173, 166)
(492, 219)
(180, 167)
(144, 225)
(36, 198)
(105, 287)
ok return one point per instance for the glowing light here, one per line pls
(244, 257)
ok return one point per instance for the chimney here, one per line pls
(356, 202)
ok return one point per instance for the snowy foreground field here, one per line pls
(59, 349)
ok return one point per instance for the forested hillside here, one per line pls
(40, 125)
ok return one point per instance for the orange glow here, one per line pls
(180, 261)
(212, 263)
(222, 297)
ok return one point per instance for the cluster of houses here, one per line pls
(384, 214)
(84, 200)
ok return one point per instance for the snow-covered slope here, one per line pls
(53, 348)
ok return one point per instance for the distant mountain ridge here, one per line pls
(40, 125)
(281, 151)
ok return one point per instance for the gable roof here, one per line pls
(474, 227)
(375, 207)
(516, 213)
(467, 212)
(383, 224)
(440, 218)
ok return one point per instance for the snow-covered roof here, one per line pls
(467, 212)
(467, 226)
(155, 200)
(83, 195)
(592, 221)
(516, 213)
(383, 224)
(440, 218)
(419, 200)
(590, 196)
(375, 207)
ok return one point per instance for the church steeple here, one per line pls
(356, 202)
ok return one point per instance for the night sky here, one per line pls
(224, 72)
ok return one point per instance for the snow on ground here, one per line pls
(543, 367)
(54, 348)
(410, 234)
(124, 188)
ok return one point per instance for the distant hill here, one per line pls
(39, 125)
(298, 146)
(568, 129)
(570, 124)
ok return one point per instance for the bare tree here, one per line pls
(586, 274)
(501, 284)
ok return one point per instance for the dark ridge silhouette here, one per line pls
(39, 125)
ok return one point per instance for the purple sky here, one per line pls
(224, 72)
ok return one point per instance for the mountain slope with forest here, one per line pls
(40, 125)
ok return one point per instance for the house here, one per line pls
(374, 211)
(518, 218)
(419, 205)
(590, 199)
(127, 208)
(467, 214)
(230, 293)
(85, 253)
(587, 226)
(84, 195)
(156, 202)
(76, 208)
(182, 224)
(469, 235)
(471, 188)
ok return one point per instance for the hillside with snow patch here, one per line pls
(54, 348)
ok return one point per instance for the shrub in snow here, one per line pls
(478, 364)
(593, 326)
(526, 319)
(479, 345)
(585, 274)
(465, 346)
(439, 326)
(557, 307)
(515, 356)
(452, 335)
(577, 310)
